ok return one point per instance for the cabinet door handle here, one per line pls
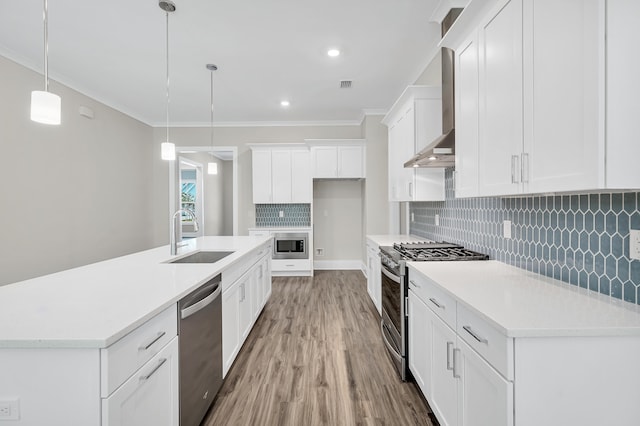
(455, 372)
(514, 171)
(525, 167)
(473, 334)
(412, 282)
(435, 302)
(152, 372)
(449, 347)
(159, 336)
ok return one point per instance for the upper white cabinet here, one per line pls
(281, 174)
(414, 121)
(540, 122)
(337, 159)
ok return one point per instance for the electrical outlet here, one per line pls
(319, 252)
(437, 220)
(281, 213)
(634, 244)
(507, 228)
(9, 409)
(413, 218)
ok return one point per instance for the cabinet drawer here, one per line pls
(150, 396)
(491, 344)
(290, 265)
(120, 360)
(433, 296)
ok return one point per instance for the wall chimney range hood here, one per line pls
(441, 152)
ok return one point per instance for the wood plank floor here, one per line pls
(315, 357)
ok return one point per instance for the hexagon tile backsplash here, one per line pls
(293, 215)
(581, 239)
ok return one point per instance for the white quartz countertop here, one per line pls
(95, 305)
(388, 240)
(524, 304)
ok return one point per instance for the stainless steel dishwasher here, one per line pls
(200, 337)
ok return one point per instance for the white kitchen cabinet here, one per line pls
(549, 119)
(500, 95)
(243, 299)
(337, 159)
(420, 342)
(484, 396)
(148, 397)
(444, 379)
(231, 336)
(281, 174)
(466, 106)
(414, 121)
(374, 285)
(461, 387)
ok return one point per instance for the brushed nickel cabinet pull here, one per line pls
(152, 372)
(155, 339)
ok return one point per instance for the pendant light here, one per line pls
(167, 149)
(212, 168)
(45, 106)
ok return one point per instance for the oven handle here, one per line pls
(392, 350)
(394, 278)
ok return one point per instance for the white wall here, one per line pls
(71, 194)
(337, 219)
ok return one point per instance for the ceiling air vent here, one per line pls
(345, 84)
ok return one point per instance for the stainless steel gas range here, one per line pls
(395, 288)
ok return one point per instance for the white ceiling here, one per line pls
(266, 51)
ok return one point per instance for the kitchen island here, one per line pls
(65, 336)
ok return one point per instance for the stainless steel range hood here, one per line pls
(441, 152)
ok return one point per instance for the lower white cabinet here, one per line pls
(462, 388)
(242, 302)
(374, 285)
(484, 396)
(149, 396)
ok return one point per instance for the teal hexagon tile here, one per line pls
(630, 292)
(605, 286)
(594, 282)
(634, 272)
(616, 288)
(623, 269)
(629, 202)
(605, 203)
(616, 202)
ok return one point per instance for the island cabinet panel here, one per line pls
(53, 385)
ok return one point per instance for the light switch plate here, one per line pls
(437, 220)
(281, 213)
(507, 228)
(634, 244)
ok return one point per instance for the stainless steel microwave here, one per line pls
(290, 245)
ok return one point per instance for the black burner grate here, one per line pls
(422, 252)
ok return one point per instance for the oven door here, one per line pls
(393, 324)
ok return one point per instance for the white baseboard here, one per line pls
(337, 264)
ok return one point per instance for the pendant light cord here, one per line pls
(212, 108)
(45, 18)
(168, 98)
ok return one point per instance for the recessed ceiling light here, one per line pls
(432, 158)
(333, 52)
(284, 103)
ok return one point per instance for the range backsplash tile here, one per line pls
(268, 215)
(581, 239)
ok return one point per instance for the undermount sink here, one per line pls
(203, 257)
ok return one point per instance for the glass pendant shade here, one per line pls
(168, 151)
(212, 168)
(45, 107)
